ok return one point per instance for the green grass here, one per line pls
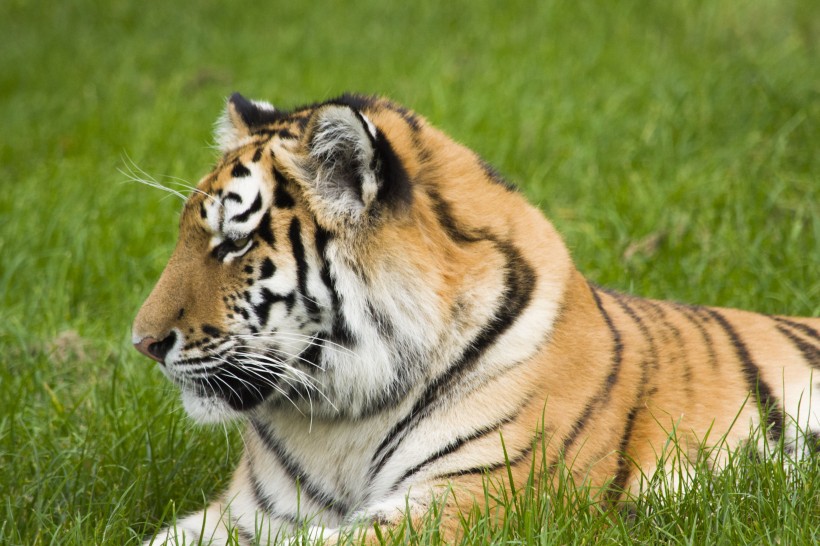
(674, 144)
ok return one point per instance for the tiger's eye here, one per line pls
(239, 244)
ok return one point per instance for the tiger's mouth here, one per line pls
(241, 383)
(238, 377)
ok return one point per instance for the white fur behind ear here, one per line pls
(230, 130)
(341, 150)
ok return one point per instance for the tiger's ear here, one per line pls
(241, 118)
(349, 165)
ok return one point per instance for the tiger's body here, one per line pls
(381, 309)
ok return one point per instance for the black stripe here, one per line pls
(751, 372)
(697, 321)
(267, 269)
(341, 333)
(622, 473)
(257, 155)
(811, 353)
(193, 360)
(281, 197)
(444, 215)
(381, 321)
(490, 468)
(624, 464)
(296, 473)
(494, 176)
(312, 354)
(244, 535)
(265, 501)
(519, 282)
(197, 539)
(262, 309)
(602, 397)
(298, 249)
(477, 434)
(622, 300)
(240, 171)
(265, 230)
(682, 353)
(805, 328)
(232, 196)
(210, 330)
(255, 206)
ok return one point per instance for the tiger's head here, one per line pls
(321, 264)
(257, 299)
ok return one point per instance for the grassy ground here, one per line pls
(675, 144)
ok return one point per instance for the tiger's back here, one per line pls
(690, 378)
(393, 321)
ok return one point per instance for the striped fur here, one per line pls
(381, 310)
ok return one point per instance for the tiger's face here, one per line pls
(261, 299)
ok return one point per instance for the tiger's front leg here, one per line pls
(229, 523)
(240, 517)
(440, 503)
(210, 526)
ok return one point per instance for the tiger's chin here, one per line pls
(209, 409)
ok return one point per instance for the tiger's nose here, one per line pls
(156, 350)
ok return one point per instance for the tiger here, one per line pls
(392, 324)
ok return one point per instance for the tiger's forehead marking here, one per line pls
(241, 194)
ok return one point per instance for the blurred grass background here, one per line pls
(676, 145)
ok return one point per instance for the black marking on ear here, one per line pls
(267, 270)
(355, 102)
(265, 230)
(254, 116)
(395, 190)
(255, 206)
(240, 171)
